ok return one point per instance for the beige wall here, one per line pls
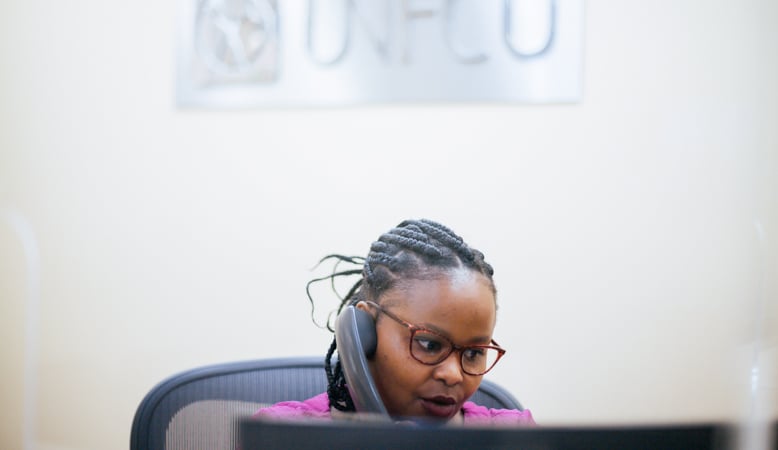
(623, 228)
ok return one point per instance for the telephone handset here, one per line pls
(356, 338)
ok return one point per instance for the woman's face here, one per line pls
(460, 305)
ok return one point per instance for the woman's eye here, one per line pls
(474, 354)
(429, 344)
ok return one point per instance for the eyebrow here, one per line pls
(477, 340)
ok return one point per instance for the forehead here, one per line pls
(458, 301)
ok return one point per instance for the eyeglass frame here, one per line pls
(454, 347)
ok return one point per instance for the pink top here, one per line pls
(318, 407)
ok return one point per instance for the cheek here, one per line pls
(471, 385)
(396, 373)
(391, 356)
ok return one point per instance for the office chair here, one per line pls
(197, 409)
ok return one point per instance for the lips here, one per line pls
(440, 406)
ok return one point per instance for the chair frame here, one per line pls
(488, 394)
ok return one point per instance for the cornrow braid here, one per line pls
(448, 238)
(415, 249)
(400, 239)
(336, 383)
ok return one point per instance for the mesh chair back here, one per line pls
(198, 409)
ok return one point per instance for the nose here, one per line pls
(449, 370)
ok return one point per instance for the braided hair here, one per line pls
(414, 249)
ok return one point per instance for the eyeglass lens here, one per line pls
(430, 348)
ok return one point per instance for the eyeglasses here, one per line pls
(430, 348)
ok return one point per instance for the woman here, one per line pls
(433, 301)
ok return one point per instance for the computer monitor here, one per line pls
(265, 434)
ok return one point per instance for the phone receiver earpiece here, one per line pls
(366, 331)
(356, 338)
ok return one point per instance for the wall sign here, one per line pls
(256, 53)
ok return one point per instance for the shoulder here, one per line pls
(314, 407)
(477, 414)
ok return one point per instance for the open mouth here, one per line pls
(440, 406)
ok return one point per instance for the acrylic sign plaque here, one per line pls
(258, 53)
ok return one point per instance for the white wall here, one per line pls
(622, 228)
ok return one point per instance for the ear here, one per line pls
(363, 306)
